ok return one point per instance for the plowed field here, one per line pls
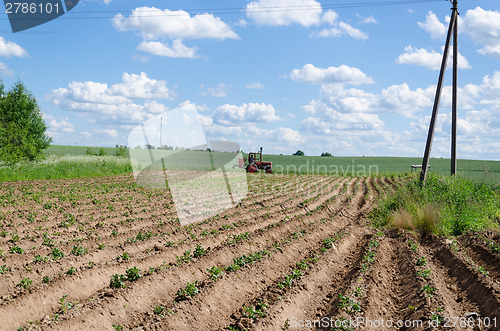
(297, 253)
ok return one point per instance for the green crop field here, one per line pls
(72, 161)
(76, 150)
(483, 171)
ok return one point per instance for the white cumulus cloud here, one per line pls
(5, 70)
(141, 87)
(483, 26)
(178, 49)
(115, 102)
(342, 74)
(429, 59)
(368, 20)
(9, 48)
(220, 91)
(107, 132)
(57, 127)
(329, 17)
(433, 26)
(255, 86)
(341, 29)
(285, 12)
(248, 112)
(152, 23)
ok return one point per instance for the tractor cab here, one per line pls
(255, 157)
(255, 163)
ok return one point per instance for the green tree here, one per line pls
(22, 131)
(299, 152)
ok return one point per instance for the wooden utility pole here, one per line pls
(454, 95)
(437, 98)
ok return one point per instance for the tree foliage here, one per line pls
(299, 152)
(22, 131)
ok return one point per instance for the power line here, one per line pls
(239, 10)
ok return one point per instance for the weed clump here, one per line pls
(447, 206)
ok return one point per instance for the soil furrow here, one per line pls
(217, 314)
(318, 259)
(105, 272)
(392, 290)
(462, 289)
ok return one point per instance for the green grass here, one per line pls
(61, 167)
(72, 162)
(445, 205)
(60, 150)
(481, 171)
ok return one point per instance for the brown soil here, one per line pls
(313, 227)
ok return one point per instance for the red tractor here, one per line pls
(255, 163)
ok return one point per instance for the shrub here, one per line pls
(90, 152)
(427, 218)
(102, 152)
(121, 151)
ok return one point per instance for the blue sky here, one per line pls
(320, 76)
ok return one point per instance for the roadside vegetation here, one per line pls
(60, 167)
(448, 206)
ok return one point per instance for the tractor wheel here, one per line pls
(252, 168)
(269, 170)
